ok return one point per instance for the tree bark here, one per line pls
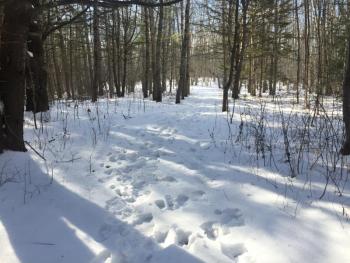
(96, 86)
(232, 60)
(147, 63)
(36, 88)
(346, 106)
(157, 93)
(183, 63)
(239, 63)
(15, 28)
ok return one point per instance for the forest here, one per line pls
(161, 131)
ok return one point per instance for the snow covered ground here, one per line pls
(135, 181)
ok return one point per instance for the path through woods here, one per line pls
(136, 181)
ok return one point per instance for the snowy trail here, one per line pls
(158, 186)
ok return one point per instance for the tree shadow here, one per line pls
(55, 224)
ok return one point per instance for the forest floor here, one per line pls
(135, 181)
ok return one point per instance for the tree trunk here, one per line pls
(64, 60)
(346, 106)
(298, 50)
(36, 88)
(232, 60)
(96, 86)
(147, 62)
(183, 62)
(157, 93)
(307, 52)
(236, 85)
(17, 18)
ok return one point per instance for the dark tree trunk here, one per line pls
(157, 93)
(146, 84)
(96, 85)
(183, 63)
(346, 106)
(153, 48)
(232, 60)
(65, 66)
(17, 17)
(298, 50)
(57, 71)
(118, 56)
(188, 63)
(239, 64)
(36, 80)
(114, 55)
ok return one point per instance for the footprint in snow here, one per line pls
(116, 206)
(176, 203)
(122, 157)
(139, 163)
(174, 236)
(108, 172)
(227, 218)
(130, 199)
(197, 195)
(230, 216)
(160, 236)
(182, 237)
(143, 218)
(167, 178)
(233, 251)
(139, 184)
(132, 156)
(160, 204)
(113, 159)
(211, 229)
(181, 200)
(105, 179)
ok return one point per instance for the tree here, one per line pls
(18, 22)
(346, 106)
(234, 48)
(14, 34)
(97, 88)
(157, 91)
(184, 54)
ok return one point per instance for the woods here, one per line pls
(80, 49)
(153, 131)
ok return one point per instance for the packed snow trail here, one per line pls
(135, 181)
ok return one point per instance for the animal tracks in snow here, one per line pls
(143, 218)
(233, 251)
(176, 203)
(174, 235)
(227, 218)
(168, 178)
(197, 195)
(160, 204)
(146, 190)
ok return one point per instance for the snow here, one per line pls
(169, 183)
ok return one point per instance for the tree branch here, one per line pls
(111, 3)
(62, 24)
